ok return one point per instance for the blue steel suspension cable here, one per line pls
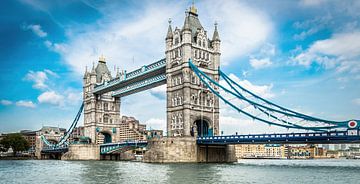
(199, 74)
(309, 118)
(222, 74)
(64, 138)
(273, 116)
(73, 125)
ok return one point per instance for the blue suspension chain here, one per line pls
(200, 74)
(273, 116)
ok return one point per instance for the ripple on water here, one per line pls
(246, 171)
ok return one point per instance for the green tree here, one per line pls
(16, 141)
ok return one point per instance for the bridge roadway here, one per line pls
(350, 136)
(335, 137)
(148, 76)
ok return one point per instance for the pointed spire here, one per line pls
(86, 72)
(117, 73)
(93, 69)
(187, 21)
(169, 33)
(193, 9)
(102, 58)
(216, 36)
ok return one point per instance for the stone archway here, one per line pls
(107, 137)
(202, 128)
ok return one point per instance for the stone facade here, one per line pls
(52, 134)
(82, 152)
(171, 149)
(191, 108)
(101, 112)
(131, 129)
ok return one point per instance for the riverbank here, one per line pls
(18, 158)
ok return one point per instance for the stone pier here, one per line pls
(82, 152)
(185, 149)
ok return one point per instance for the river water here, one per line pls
(246, 171)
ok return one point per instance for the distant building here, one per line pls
(154, 133)
(30, 136)
(305, 152)
(77, 134)
(131, 129)
(260, 151)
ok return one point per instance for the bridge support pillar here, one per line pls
(82, 152)
(171, 149)
(185, 149)
(216, 153)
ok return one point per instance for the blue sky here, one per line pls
(304, 55)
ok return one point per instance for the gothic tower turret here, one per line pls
(101, 112)
(191, 108)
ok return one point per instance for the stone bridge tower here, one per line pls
(101, 112)
(191, 108)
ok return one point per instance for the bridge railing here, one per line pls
(111, 147)
(139, 84)
(131, 75)
(336, 135)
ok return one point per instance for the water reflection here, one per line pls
(249, 171)
(193, 173)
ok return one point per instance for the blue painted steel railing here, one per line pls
(277, 121)
(286, 138)
(59, 149)
(141, 84)
(121, 146)
(64, 138)
(127, 76)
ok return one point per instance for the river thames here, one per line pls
(246, 171)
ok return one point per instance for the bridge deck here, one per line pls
(289, 138)
(149, 71)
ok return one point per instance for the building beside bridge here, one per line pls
(271, 151)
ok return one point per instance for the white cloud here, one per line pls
(56, 47)
(260, 90)
(335, 52)
(356, 101)
(5, 102)
(39, 78)
(25, 103)
(312, 26)
(74, 97)
(242, 28)
(155, 123)
(36, 29)
(51, 97)
(51, 73)
(141, 36)
(312, 2)
(243, 125)
(260, 63)
(232, 120)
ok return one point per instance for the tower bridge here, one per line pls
(191, 72)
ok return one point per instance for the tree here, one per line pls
(16, 141)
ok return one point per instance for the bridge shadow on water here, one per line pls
(138, 172)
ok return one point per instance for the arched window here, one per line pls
(106, 118)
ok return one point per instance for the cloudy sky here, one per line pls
(304, 55)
